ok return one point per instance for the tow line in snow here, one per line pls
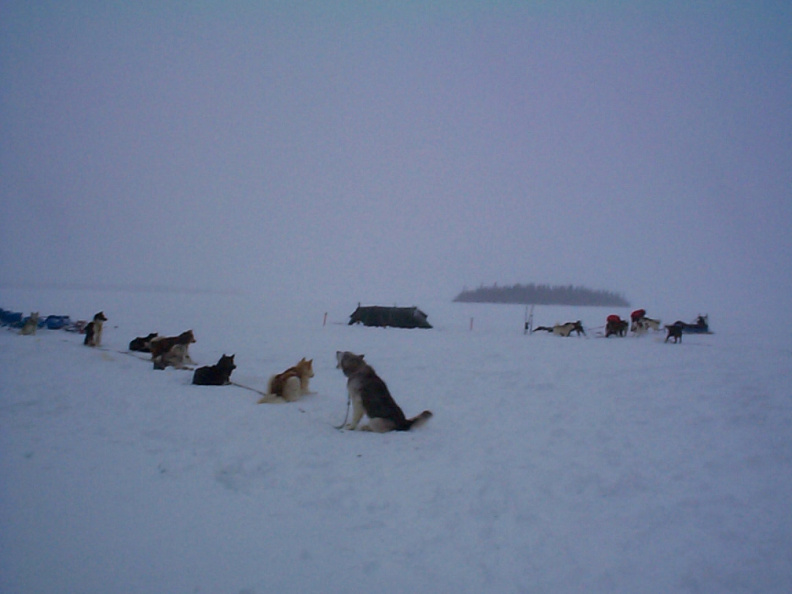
(346, 416)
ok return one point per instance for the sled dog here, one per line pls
(215, 375)
(675, 332)
(642, 325)
(162, 344)
(93, 331)
(563, 329)
(289, 385)
(652, 323)
(142, 344)
(369, 395)
(615, 325)
(31, 325)
(177, 357)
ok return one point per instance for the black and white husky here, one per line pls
(93, 331)
(369, 395)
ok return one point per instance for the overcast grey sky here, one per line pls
(397, 152)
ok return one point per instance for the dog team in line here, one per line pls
(368, 394)
(639, 325)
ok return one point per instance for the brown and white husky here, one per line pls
(159, 345)
(289, 385)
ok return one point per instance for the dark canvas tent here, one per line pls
(397, 317)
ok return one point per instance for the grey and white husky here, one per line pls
(177, 357)
(369, 395)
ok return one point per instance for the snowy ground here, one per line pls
(551, 464)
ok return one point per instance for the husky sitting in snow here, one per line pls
(369, 395)
(93, 331)
(31, 324)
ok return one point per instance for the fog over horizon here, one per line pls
(389, 152)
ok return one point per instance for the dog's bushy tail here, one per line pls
(418, 420)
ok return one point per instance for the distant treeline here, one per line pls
(542, 295)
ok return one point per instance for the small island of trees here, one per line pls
(542, 295)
